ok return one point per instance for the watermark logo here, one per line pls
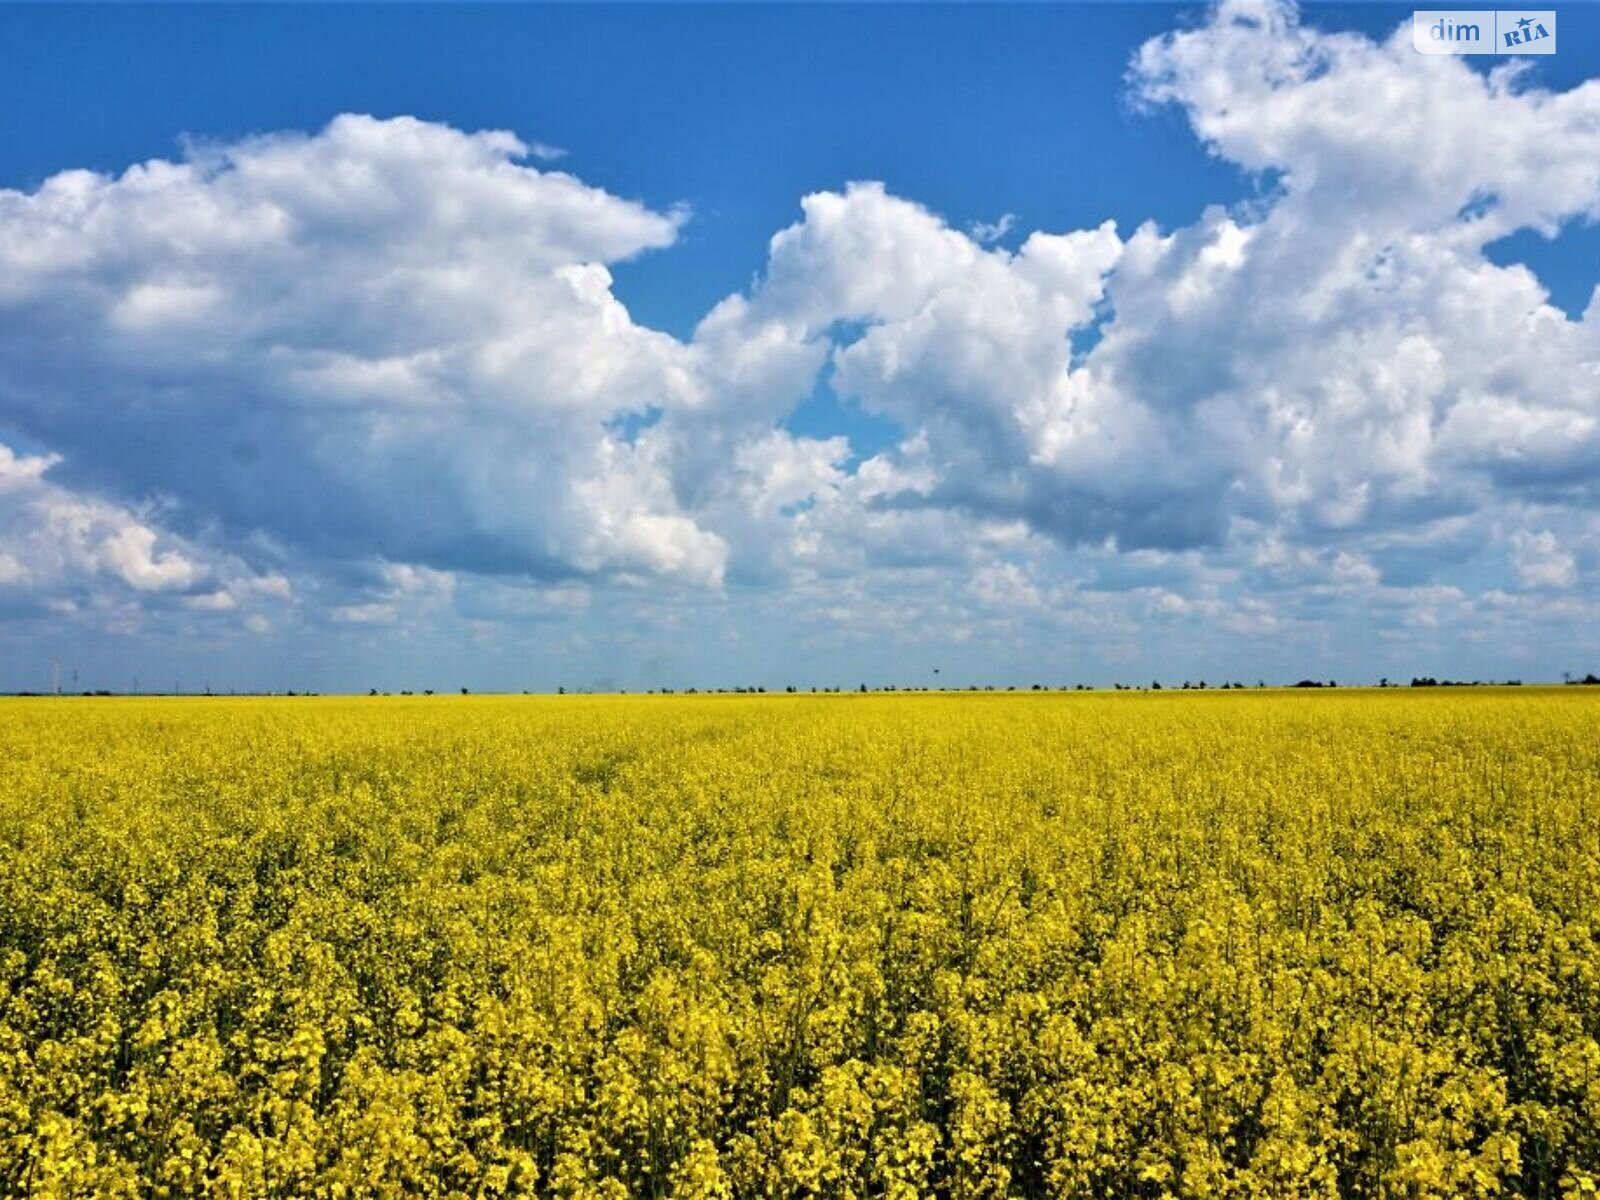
(1484, 31)
(1528, 30)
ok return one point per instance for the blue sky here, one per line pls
(385, 400)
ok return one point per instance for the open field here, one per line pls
(1259, 944)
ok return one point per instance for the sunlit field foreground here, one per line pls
(1255, 944)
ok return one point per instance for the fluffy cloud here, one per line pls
(72, 556)
(1354, 341)
(389, 339)
(387, 359)
(1541, 561)
(1337, 362)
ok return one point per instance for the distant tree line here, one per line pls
(1589, 679)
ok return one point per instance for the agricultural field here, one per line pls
(1263, 944)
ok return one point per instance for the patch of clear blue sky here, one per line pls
(972, 110)
(1553, 260)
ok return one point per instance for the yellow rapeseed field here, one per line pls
(1265, 944)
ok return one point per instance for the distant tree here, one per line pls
(372, 691)
(1155, 685)
(464, 691)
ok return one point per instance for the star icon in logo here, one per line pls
(1524, 23)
